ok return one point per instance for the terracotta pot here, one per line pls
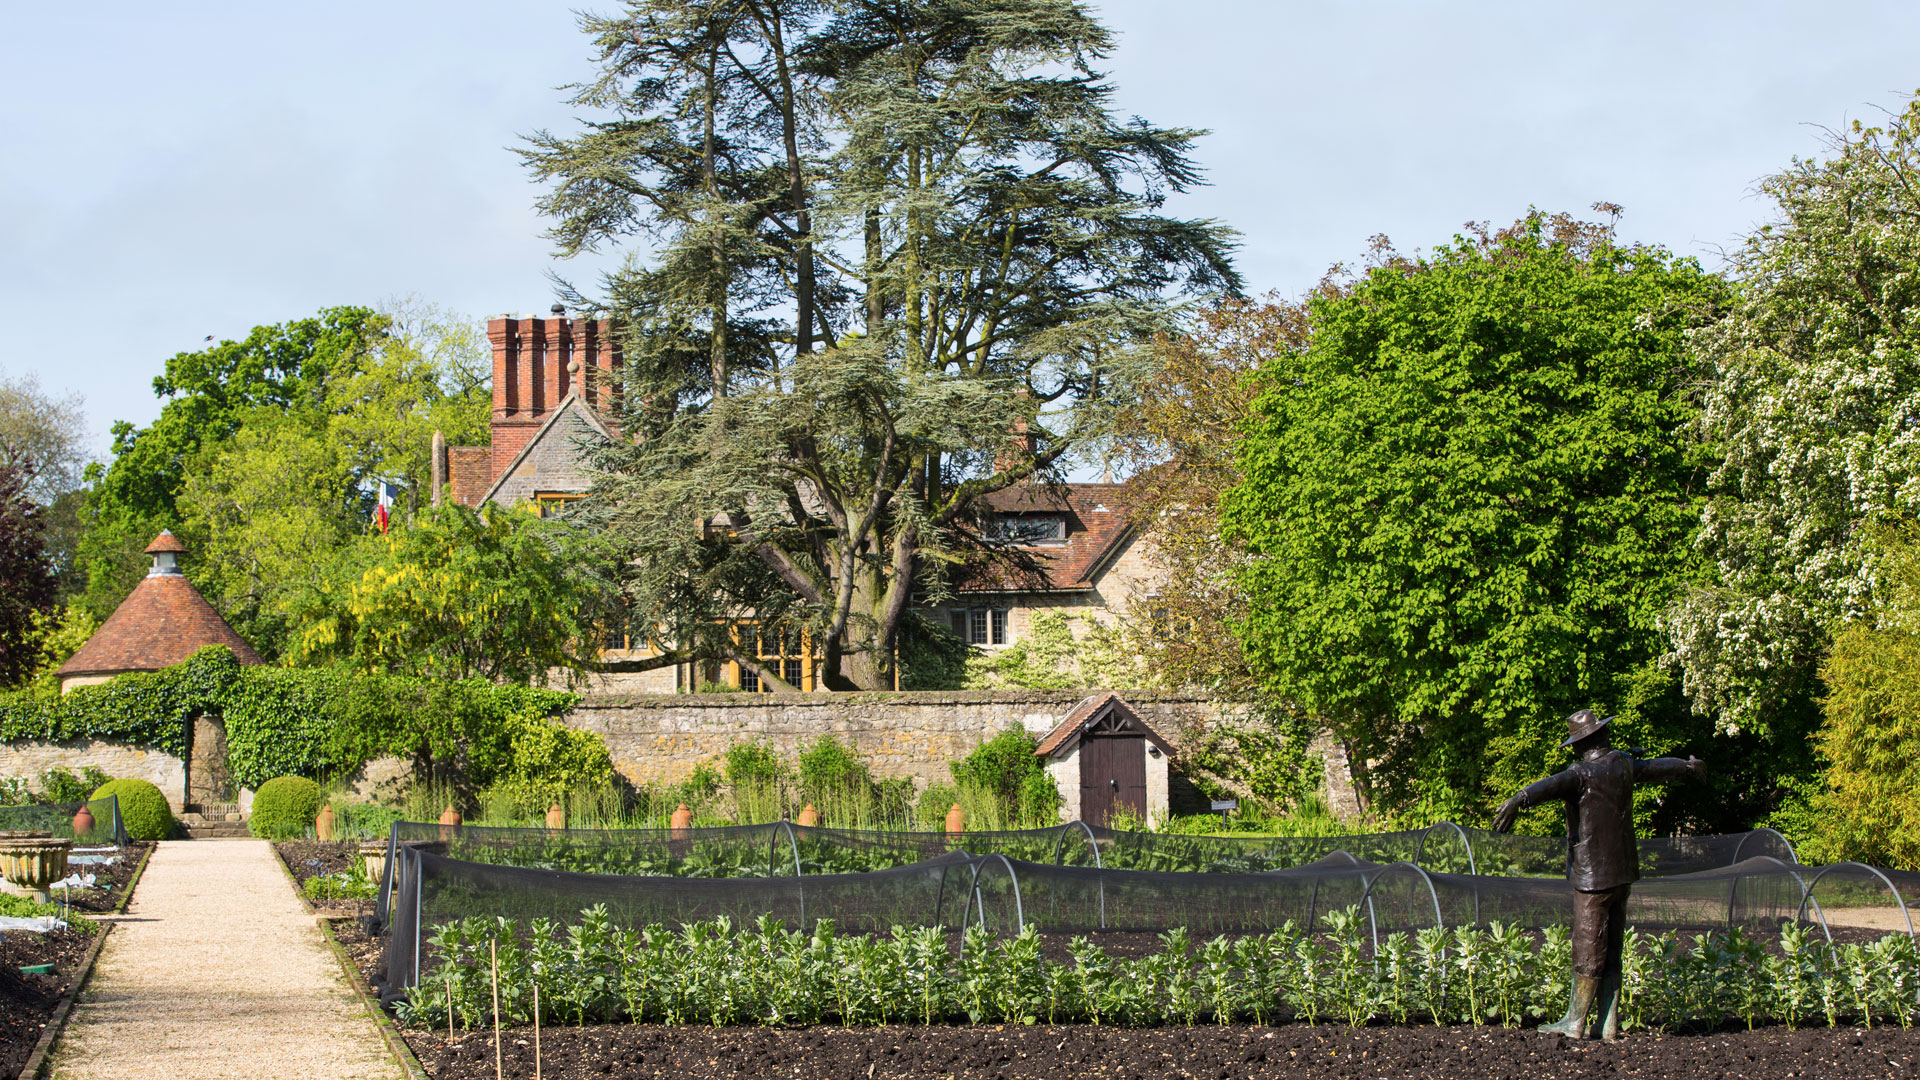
(956, 819)
(809, 817)
(449, 821)
(83, 823)
(323, 823)
(556, 817)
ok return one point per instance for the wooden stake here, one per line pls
(449, 1002)
(536, 1029)
(493, 946)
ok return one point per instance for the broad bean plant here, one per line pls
(718, 973)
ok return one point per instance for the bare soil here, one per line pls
(1058, 1053)
(27, 1001)
(111, 882)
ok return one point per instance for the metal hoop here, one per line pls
(1473, 867)
(1884, 880)
(799, 878)
(1788, 867)
(979, 902)
(1792, 855)
(1093, 842)
(1373, 921)
(1059, 843)
(1420, 846)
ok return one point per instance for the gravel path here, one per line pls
(216, 971)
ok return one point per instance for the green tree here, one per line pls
(891, 235)
(496, 593)
(1466, 502)
(283, 367)
(1868, 808)
(1812, 394)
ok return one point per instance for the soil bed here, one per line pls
(1057, 1053)
(311, 858)
(27, 1001)
(110, 882)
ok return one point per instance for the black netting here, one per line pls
(956, 888)
(57, 818)
(431, 889)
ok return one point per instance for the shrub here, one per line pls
(284, 808)
(1006, 768)
(59, 785)
(143, 810)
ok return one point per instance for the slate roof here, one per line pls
(1097, 529)
(162, 622)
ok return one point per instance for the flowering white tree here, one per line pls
(1813, 399)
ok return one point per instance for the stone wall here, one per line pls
(659, 738)
(30, 759)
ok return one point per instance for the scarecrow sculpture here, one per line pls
(1602, 860)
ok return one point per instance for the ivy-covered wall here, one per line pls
(289, 721)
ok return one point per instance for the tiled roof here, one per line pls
(162, 622)
(1097, 528)
(1090, 709)
(165, 542)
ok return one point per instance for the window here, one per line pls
(982, 626)
(554, 503)
(790, 670)
(1029, 529)
(749, 679)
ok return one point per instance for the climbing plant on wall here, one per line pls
(311, 722)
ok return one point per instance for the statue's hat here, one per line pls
(1584, 723)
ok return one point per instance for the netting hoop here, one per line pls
(978, 903)
(1373, 922)
(1792, 855)
(1807, 893)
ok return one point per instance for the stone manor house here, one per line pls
(555, 380)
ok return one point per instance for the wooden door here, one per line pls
(1113, 776)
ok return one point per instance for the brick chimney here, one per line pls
(537, 362)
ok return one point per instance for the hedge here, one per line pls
(309, 722)
(284, 808)
(144, 812)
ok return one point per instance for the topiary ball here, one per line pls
(144, 812)
(284, 808)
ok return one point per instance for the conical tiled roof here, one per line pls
(162, 622)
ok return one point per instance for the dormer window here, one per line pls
(1029, 529)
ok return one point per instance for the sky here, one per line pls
(179, 171)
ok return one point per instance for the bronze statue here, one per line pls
(1602, 861)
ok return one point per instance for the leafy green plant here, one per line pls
(595, 971)
(19, 907)
(59, 785)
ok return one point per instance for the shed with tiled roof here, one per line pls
(1106, 759)
(162, 622)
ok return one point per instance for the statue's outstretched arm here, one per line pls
(1663, 770)
(1561, 785)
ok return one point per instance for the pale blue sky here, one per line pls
(179, 170)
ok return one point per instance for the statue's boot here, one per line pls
(1574, 1024)
(1610, 1006)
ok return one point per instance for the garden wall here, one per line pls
(118, 760)
(659, 738)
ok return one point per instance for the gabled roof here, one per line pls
(573, 404)
(1105, 711)
(162, 622)
(1097, 529)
